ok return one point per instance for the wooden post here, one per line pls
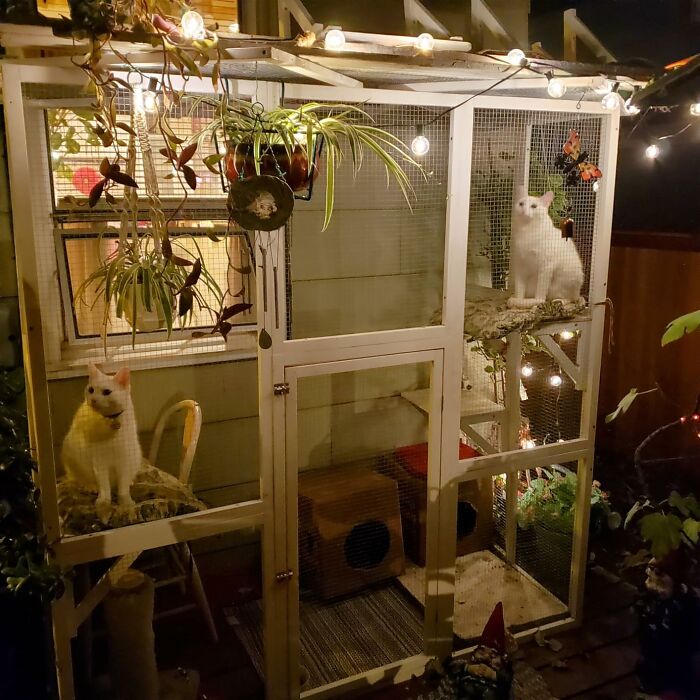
(511, 428)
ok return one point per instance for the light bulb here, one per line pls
(604, 87)
(556, 87)
(556, 380)
(425, 42)
(527, 370)
(652, 151)
(566, 335)
(516, 57)
(596, 186)
(420, 145)
(631, 109)
(234, 28)
(55, 155)
(695, 109)
(150, 101)
(335, 40)
(610, 102)
(192, 25)
(528, 444)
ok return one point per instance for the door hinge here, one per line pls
(281, 389)
(284, 576)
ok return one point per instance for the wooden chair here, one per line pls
(180, 555)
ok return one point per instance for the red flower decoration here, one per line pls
(84, 179)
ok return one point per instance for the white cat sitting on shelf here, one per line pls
(543, 265)
(101, 450)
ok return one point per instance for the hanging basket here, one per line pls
(145, 321)
(239, 163)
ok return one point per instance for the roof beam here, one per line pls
(419, 18)
(311, 69)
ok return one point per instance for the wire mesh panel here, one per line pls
(161, 442)
(181, 621)
(363, 457)
(378, 265)
(533, 588)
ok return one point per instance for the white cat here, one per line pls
(101, 450)
(543, 265)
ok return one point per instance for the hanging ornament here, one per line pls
(572, 162)
(260, 203)
(567, 227)
(84, 179)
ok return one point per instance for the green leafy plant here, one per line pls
(550, 500)
(268, 137)
(138, 278)
(668, 525)
(683, 325)
(24, 567)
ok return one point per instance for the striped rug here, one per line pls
(341, 638)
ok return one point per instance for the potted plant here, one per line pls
(286, 142)
(669, 612)
(143, 283)
(548, 506)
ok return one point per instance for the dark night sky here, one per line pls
(661, 195)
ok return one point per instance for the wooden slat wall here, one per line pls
(222, 11)
(653, 279)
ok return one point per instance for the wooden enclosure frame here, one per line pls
(287, 360)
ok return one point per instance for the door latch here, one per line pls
(284, 576)
(281, 389)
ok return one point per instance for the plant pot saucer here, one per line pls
(260, 203)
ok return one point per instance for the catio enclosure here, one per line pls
(337, 505)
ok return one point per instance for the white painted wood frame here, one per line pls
(287, 360)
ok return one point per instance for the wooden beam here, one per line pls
(419, 19)
(484, 17)
(311, 69)
(575, 29)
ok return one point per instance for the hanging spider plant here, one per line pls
(150, 288)
(285, 142)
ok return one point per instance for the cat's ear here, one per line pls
(547, 198)
(93, 372)
(122, 377)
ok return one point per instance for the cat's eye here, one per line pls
(106, 392)
(91, 390)
(533, 206)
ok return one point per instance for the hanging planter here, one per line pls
(294, 168)
(286, 143)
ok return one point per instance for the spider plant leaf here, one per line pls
(193, 277)
(330, 187)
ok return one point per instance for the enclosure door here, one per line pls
(361, 531)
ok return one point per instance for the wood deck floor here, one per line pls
(599, 656)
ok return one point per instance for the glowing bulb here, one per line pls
(335, 40)
(652, 151)
(695, 109)
(516, 57)
(604, 87)
(610, 101)
(192, 25)
(566, 335)
(596, 186)
(425, 42)
(556, 88)
(55, 155)
(556, 380)
(631, 109)
(528, 444)
(150, 101)
(527, 370)
(234, 28)
(420, 145)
